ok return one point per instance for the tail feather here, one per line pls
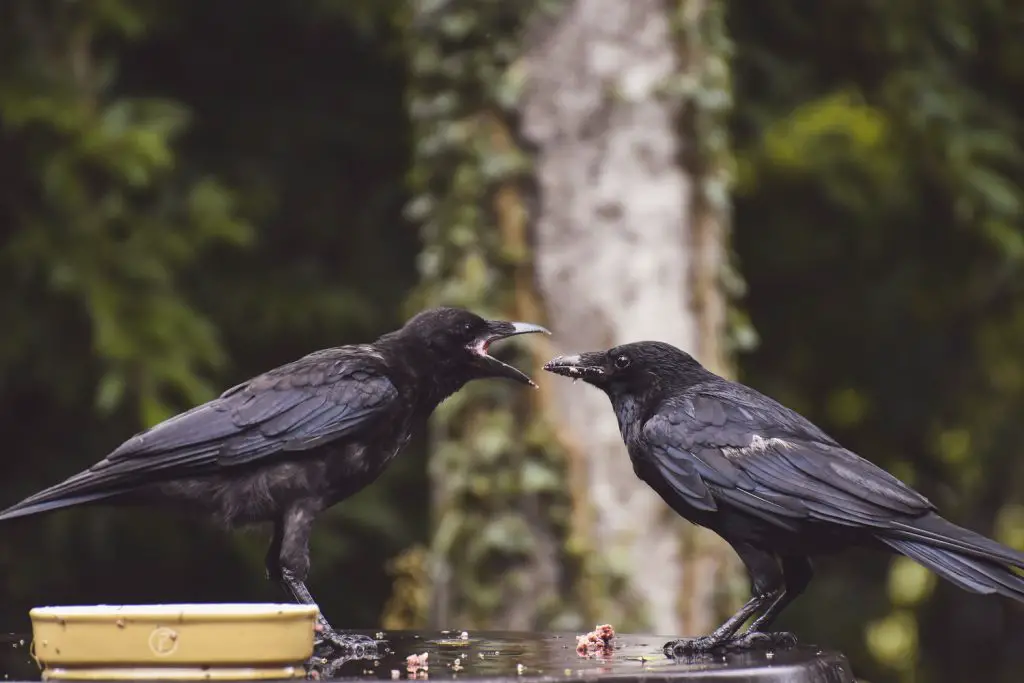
(34, 506)
(933, 530)
(976, 575)
(79, 489)
(103, 480)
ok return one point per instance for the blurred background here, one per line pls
(820, 199)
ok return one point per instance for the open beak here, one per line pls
(497, 330)
(585, 366)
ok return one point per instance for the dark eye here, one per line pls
(622, 362)
(466, 327)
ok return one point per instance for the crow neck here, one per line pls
(434, 373)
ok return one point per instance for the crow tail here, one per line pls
(961, 556)
(53, 498)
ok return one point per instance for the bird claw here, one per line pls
(342, 648)
(354, 646)
(685, 647)
(751, 640)
(763, 640)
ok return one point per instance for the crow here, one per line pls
(772, 484)
(294, 441)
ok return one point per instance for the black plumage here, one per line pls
(290, 443)
(772, 484)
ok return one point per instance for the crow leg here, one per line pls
(720, 636)
(293, 560)
(768, 585)
(797, 572)
(273, 558)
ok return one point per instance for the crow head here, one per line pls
(459, 342)
(639, 368)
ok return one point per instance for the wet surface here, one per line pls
(498, 655)
(15, 661)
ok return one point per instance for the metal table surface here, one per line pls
(534, 657)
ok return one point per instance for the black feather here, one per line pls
(770, 482)
(289, 443)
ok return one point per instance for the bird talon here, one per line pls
(751, 640)
(341, 648)
(355, 646)
(690, 646)
(763, 640)
(785, 640)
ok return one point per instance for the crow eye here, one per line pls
(622, 362)
(466, 327)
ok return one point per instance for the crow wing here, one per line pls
(321, 397)
(732, 446)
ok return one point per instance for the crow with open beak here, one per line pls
(290, 443)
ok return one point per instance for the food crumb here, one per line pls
(464, 635)
(414, 662)
(520, 669)
(597, 641)
(395, 674)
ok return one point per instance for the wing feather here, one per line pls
(294, 408)
(712, 450)
(682, 475)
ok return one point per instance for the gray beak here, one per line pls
(496, 331)
(585, 366)
(518, 328)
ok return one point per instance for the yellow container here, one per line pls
(173, 642)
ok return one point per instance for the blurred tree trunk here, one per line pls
(630, 246)
(500, 555)
(539, 520)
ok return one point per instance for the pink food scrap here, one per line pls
(414, 662)
(597, 641)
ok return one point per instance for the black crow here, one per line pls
(772, 484)
(290, 443)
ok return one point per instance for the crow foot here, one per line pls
(764, 640)
(332, 650)
(351, 645)
(751, 640)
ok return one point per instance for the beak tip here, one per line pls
(528, 328)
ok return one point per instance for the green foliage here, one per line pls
(879, 226)
(106, 221)
(183, 208)
(705, 88)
